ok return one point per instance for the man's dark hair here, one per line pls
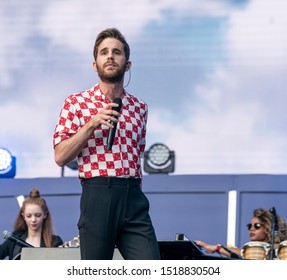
(111, 33)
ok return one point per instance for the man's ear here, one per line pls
(95, 66)
(128, 65)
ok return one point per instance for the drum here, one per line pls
(256, 250)
(281, 252)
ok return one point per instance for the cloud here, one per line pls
(74, 25)
(257, 35)
(237, 122)
(231, 118)
(13, 31)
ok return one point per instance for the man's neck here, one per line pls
(112, 91)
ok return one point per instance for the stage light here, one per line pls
(159, 159)
(7, 164)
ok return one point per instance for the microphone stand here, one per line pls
(274, 230)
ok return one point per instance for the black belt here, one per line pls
(112, 181)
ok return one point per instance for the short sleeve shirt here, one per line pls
(124, 159)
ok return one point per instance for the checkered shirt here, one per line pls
(124, 160)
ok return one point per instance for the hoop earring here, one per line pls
(130, 75)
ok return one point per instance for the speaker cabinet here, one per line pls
(57, 254)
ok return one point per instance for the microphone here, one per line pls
(274, 231)
(112, 131)
(7, 235)
(273, 212)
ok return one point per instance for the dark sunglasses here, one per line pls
(256, 226)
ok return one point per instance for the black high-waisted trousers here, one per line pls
(115, 212)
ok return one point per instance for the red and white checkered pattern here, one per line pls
(129, 143)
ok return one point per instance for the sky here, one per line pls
(213, 72)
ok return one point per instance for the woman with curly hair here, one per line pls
(260, 227)
(33, 225)
(260, 230)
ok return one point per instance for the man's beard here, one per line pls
(112, 76)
